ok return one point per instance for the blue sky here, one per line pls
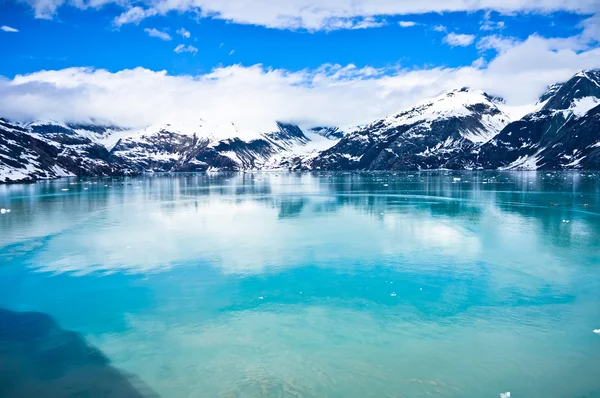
(89, 38)
(338, 49)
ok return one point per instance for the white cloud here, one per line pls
(489, 24)
(133, 15)
(459, 40)
(255, 96)
(407, 24)
(591, 28)
(311, 15)
(182, 48)
(157, 33)
(231, 52)
(8, 29)
(440, 28)
(497, 43)
(183, 33)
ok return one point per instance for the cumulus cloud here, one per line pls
(407, 24)
(311, 15)
(255, 96)
(184, 33)
(459, 40)
(8, 29)
(158, 34)
(182, 48)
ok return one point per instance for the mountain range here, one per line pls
(460, 129)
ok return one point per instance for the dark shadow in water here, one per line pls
(40, 359)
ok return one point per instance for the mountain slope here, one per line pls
(427, 136)
(540, 137)
(48, 149)
(461, 129)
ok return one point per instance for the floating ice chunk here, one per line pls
(420, 288)
(393, 294)
(597, 331)
(566, 221)
(386, 185)
(261, 298)
(65, 189)
(505, 394)
(3, 211)
(456, 179)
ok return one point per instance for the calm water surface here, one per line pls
(304, 285)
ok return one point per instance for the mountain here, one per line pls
(427, 136)
(460, 129)
(557, 135)
(48, 149)
(332, 133)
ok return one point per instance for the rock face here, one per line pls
(45, 150)
(428, 136)
(561, 134)
(466, 129)
(461, 129)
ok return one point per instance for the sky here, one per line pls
(312, 62)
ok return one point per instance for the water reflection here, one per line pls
(349, 285)
(252, 222)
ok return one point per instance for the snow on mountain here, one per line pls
(87, 149)
(426, 136)
(460, 129)
(455, 104)
(548, 137)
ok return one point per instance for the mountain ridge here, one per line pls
(460, 129)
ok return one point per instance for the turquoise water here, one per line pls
(315, 285)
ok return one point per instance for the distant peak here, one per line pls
(588, 73)
(472, 93)
(585, 83)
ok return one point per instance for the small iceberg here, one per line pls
(597, 331)
(505, 395)
(4, 211)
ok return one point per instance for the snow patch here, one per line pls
(581, 106)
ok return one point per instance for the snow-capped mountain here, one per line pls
(557, 135)
(49, 149)
(461, 129)
(426, 136)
